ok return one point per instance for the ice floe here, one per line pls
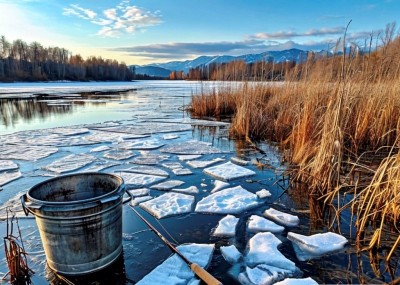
(297, 281)
(119, 154)
(167, 185)
(169, 204)
(139, 192)
(138, 200)
(203, 163)
(263, 249)
(69, 131)
(141, 145)
(228, 201)
(7, 165)
(149, 159)
(191, 147)
(260, 224)
(70, 163)
(99, 165)
(281, 217)
(23, 152)
(148, 128)
(100, 137)
(263, 193)
(264, 274)
(146, 169)
(137, 180)
(315, 246)
(181, 171)
(172, 165)
(174, 271)
(184, 157)
(230, 253)
(239, 161)
(226, 226)
(170, 137)
(7, 177)
(219, 185)
(100, 148)
(228, 171)
(189, 190)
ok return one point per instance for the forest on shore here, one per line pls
(20, 61)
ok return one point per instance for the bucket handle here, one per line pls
(27, 207)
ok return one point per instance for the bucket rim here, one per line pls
(118, 190)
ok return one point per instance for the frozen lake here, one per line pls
(186, 176)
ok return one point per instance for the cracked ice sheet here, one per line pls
(315, 246)
(260, 224)
(119, 154)
(169, 204)
(281, 217)
(203, 163)
(167, 185)
(228, 171)
(174, 271)
(145, 169)
(22, 152)
(263, 249)
(226, 226)
(7, 165)
(228, 201)
(191, 147)
(137, 180)
(7, 177)
(70, 163)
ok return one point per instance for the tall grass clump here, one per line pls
(338, 119)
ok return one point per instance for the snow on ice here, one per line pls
(239, 161)
(23, 152)
(139, 192)
(228, 201)
(191, 147)
(174, 271)
(189, 190)
(170, 137)
(100, 148)
(260, 224)
(146, 169)
(137, 200)
(7, 165)
(172, 165)
(228, 171)
(70, 163)
(7, 177)
(263, 193)
(203, 163)
(315, 246)
(230, 253)
(297, 281)
(226, 226)
(167, 185)
(141, 145)
(264, 274)
(169, 204)
(182, 171)
(219, 185)
(119, 154)
(282, 218)
(185, 157)
(149, 159)
(137, 180)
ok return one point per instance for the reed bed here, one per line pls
(338, 120)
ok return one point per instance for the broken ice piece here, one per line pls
(136, 201)
(315, 246)
(139, 192)
(297, 281)
(7, 177)
(230, 253)
(239, 161)
(149, 159)
(226, 226)
(169, 204)
(264, 274)
(174, 270)
(170, 137)
(228, 201)
(7, 165)
(70, 162)
(167, 185)
(191, 147)
(282, 218)
(136, 180)
(219, 185)
(189, 190)
(100, 148)
(184, 157)
(263, 193)
(119, 154)
(228, 171)
(146, 169)
(203, 163)
(181, 171)
(260, 224)
(263, 249)
(172, 165)
(141, 145)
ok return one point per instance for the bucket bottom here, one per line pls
(85, 268)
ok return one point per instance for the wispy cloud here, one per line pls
(116, 21)
(292, 34)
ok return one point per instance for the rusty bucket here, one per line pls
(79, 217)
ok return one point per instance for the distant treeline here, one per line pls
(20, 61)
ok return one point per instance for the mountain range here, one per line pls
(163, 69)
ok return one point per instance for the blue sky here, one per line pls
(146, 31)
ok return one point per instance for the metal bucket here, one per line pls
(79, 217)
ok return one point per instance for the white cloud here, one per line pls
(292, 34)
(123, 19)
